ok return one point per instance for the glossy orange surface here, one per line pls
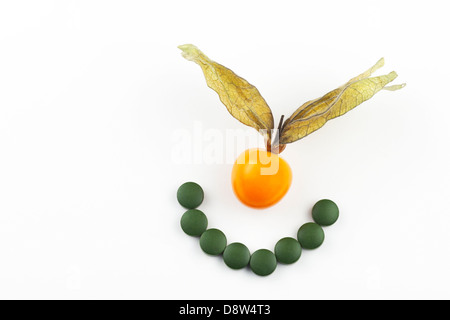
(260, 178)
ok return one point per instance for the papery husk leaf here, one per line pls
(313, 114)
(242, 100)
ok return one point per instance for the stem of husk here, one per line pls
(277, 148)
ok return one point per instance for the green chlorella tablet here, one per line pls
(310, 235)
(194, 222)
(213, 241)
(190, 195)
(288, 250)
(325, 212)
(236, 255)
(263, 262)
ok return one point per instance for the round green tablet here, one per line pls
(325, 212)
(236, 255)
(288, 250)
(190, 195)
(213, 241)
(310, 235)
(194, 222)
(263, 262)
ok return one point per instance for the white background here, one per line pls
(92, 94)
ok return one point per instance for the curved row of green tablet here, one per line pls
(236, 255)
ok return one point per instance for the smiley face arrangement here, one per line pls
(261, 178)
(254, 180)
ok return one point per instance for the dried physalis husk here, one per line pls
(243, 100)
(313, 114)
(245, 103)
